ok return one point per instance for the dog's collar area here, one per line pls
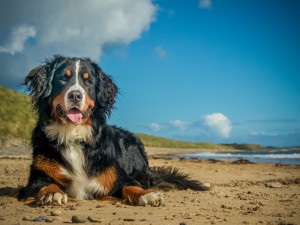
(68, 133)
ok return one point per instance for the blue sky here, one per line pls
(207, 71)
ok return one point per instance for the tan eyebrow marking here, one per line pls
(86, 75)
(68, 73)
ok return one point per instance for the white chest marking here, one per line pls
(81, 186)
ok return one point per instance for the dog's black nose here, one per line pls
(75, 96)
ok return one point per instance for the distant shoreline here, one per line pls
(20, 148)
(176, 151)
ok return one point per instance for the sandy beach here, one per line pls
(260, 193)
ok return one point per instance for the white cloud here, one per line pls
(95, 25)
(205, 4)
(160, 52)
(156, 127)
(218, 124)
(70, 27)
(17, 39)
(177, 124)
(182, 125)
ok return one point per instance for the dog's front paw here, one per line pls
(53, 198)
(152, 198)
(52, 194)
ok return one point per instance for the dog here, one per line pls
(76, 154)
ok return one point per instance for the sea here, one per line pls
(282, 156)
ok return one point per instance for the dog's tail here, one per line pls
(170, 178)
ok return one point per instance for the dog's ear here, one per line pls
(39, 80)
(107, 90)
(36, 82)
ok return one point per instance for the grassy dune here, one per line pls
(153, 141)
(16, 116)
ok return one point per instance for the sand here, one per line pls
(260, 193)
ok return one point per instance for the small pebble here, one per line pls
(37, 219)
(77, 219)
(206, 185)
(94, 219)
(128, 219)
(44, 217)
(40, 218)
(274, 185)
(73, 207)
(55, 213)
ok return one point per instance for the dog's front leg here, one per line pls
(139, 196)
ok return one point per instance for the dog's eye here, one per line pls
(68, 73)
(66, 76)
(86, 78)
(85, 75)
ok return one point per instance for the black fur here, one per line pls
(169, 178)
(110, 146)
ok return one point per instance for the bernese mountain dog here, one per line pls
(76, 154)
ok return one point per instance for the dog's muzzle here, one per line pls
(73, 115)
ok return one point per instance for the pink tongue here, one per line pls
(74, 115)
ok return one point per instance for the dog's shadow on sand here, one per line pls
(9, 191)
